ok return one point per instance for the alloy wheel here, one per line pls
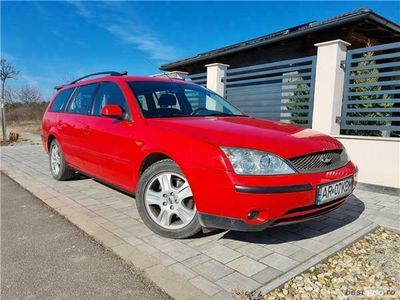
(169, 200)
(55, 159)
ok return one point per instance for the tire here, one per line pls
(56, 157)
(164, 182)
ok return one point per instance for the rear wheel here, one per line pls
(165, 201)
(58, 167)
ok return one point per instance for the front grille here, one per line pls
(319, 162)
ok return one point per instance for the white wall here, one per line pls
(378, 159)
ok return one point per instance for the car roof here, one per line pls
(125, 78)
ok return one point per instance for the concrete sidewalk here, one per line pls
(211, 265)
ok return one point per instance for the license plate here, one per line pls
(334, 190)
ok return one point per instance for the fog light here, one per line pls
(253, 214)
(355, 178)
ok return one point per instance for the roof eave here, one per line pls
(367, 14)
(385, 22)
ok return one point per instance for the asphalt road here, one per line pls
(43, 256)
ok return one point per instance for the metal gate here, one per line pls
(371, 98)
(199, 78)
(281, 91)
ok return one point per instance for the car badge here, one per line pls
(326, 159)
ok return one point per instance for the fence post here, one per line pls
(329, 84)
(216, 75)
(172, 74)
(179, 74)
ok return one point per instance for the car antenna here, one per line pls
(164, 73)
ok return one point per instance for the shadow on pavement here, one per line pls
(342, 216)
(78, 176)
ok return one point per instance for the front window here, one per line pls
(171, 99)
(109, 93)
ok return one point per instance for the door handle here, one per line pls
(59, 124)
(86, 129)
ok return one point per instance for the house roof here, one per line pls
(360, 14)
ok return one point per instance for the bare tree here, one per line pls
(7, 71)
(10, 95)
(29, 94)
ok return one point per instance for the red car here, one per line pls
(191, 159)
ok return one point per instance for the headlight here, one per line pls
(255, 162)
(344, 157)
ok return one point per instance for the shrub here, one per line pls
(13, 136)
(17, 111)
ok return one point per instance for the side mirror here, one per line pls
(112, 111)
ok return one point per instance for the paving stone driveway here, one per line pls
(211, 265)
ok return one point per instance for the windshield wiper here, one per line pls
(172, 116)
(208, 115)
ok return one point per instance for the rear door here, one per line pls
(108, 143)
(72, 124)
(53, 117)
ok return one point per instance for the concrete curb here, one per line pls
(173, 284)
(275, 283)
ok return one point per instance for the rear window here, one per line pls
(82, 101)
(61, 100)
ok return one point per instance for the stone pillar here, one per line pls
(329, 84)
(216, 74)
(173, 75)
(179, 74)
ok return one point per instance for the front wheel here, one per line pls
(165, 201)
(58, 167)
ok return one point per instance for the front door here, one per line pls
(110, 150)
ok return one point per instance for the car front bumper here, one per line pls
(213, 221)
(253, 203)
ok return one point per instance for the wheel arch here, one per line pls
(53, 135)
(150, 159)
(50, 138)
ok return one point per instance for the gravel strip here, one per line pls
(368, 269)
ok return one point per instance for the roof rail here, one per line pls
(110, 73)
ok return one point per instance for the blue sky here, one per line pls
(50, 42)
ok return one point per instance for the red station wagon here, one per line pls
(190, 158)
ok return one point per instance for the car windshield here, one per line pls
(172, 99)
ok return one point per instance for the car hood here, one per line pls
(282, 139)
